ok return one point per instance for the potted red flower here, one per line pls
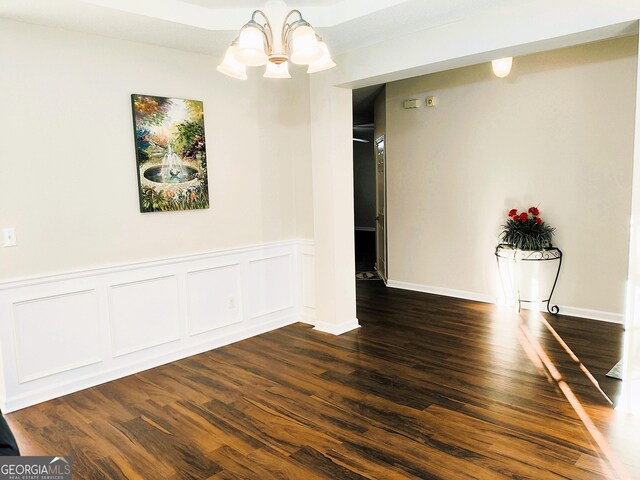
(526, 230)
(529, 264)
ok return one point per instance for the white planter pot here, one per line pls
(529, 276)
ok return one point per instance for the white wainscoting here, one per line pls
(308, 283)
(264, 272)
(43, 325)
(64, 333)
(214, 298)
(142, 314)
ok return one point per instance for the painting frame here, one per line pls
(170, 153)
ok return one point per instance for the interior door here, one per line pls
(381, 209)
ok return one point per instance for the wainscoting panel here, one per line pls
(214, 298)
(63, 333)
(308, 281)
(55, 334)
(308, 293)
(270, 285)
(143, 314)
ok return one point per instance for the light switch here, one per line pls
(412, 103)
(9, 235)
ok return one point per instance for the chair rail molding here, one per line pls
(67, 332)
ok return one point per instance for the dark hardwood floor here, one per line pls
(598, 345)
(428, 387)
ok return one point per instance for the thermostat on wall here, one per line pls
(413, 103)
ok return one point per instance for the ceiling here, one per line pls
(208, 26)
(253, 4)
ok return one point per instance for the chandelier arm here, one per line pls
(289, 27)
(266, 29)
(292, 12)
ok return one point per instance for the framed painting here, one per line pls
(170, 153)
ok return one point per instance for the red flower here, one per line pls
(513, 212)
(538, 220)
(515, 218)
(523, 216)
(534, 211)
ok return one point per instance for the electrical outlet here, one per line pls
(9, 237)
(430, 101)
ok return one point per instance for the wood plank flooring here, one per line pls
(429, 388)
(598, 345)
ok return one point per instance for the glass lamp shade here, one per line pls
(230, 66)
(304, 46)
(277, 71)
(324, 63)
(502, 66)
(251, 47)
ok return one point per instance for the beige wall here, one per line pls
(557, 132)
(68, 182)
(380, 114)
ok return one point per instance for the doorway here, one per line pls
(368, 159)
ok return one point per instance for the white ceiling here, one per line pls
(255, 4)
(208, 26)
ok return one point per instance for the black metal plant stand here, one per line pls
(509, 253)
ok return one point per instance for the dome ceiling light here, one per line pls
(502, 66)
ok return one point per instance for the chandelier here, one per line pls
(258, 44)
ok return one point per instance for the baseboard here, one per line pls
(586, 313)
(447, 292)
(479, 297)
(365, 229)
(337, 329)
(11, 404)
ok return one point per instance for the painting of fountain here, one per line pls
(170, 153)
(172, 170)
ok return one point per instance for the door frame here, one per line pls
(384, 275)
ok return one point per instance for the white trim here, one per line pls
(269, 257)
(192, 332)
(601, 316)
(22, 378)
(58, 277)
(365, 229)
(127, 351)
(56, 295)
(178, 340)
(447, 292)
(586, 313)
(33, 397)
(337, 329)
(292, 300)
(306, 279)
